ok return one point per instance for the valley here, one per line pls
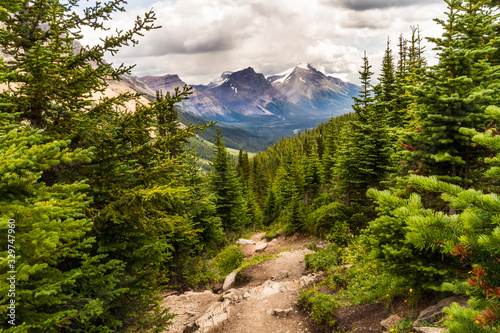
(265, 109)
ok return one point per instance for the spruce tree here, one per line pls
(454, 94)
(385, 92)
(229, 201)
(365, 98)
(49, 240)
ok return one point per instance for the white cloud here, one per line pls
(200, 39)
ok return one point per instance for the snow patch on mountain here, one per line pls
(284, 75)
(220, 80)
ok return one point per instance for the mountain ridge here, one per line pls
(237, 96)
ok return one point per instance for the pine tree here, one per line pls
(229, 200)
(365, 98)
(470, 238)
(52, 77)
(385, 92)
(49, 239)
(147, 216)
(364, 152)
(453, 94)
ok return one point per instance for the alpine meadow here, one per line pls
(111, 203)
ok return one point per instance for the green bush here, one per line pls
(323, 260)
(336, 221)
(322, 306)
(228, 260)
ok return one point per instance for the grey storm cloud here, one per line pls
(362, 5)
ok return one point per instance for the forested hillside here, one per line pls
(102, 209)
(406, 188)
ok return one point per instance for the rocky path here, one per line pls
(264, 301)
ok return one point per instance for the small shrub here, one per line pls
(320, 305)
(228, 260)
(323, 260)
(274, 231)
(405, 325)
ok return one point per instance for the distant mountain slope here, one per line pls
(311, 90)
(248, 93)
(245, 96)
(201, 102)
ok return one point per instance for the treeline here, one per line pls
(414, 171)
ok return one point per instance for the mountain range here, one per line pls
(245, 95)
(268, 107)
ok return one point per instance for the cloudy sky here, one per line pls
(200, 39)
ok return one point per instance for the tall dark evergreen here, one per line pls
(365, 98)
(119, 209)
(454, 94)
(385, 92)
(229, 201)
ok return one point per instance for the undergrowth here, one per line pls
(351, 279)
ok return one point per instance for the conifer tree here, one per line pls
(364, 152)
(365, 98)
(328, 160)
(385, 92)
(229, 200)
(45, 34)
(148, 218)
(453, 94)
(49, 240)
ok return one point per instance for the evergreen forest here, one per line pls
(102, 209)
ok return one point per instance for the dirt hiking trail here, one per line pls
(263, 298)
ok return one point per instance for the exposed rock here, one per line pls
(235, 295)
(215, 315)
(430, 329)
(191, 313)
(348, 266)
(270, 312)
(229, 280)
(282, 313)
(261, 247)
(390, 322)
(309, 279)
(435, 312)
(270, 290)
(243, 241)
(280, 275)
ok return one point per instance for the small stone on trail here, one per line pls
(279, 312)
(243, 241)
(282, 313)
(229, 281)
(191, 313)
(270, 312)
(390, 322)
(261, 247)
